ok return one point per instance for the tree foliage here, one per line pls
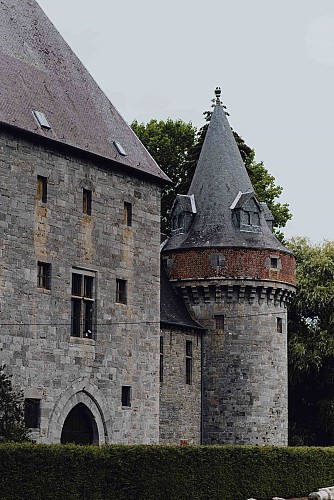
(176, 146)
(311, 345)
(12, 427)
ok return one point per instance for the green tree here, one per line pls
(311, 345)
(169, 142)
(12, 427)
(176, 146)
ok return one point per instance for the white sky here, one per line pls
(274, 61)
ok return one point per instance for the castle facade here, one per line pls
(100, 354)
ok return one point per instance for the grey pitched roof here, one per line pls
(219, 177)
(39, 72)
(173, 312)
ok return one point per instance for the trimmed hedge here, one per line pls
(61, 472)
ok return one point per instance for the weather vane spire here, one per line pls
(218, 92)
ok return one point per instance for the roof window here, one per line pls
(120, 148)
(41, 119)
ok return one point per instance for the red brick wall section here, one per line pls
(238, 262)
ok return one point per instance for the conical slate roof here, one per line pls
(220, 185)
(39, 72)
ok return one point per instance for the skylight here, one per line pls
(41, 119)
(120, 148)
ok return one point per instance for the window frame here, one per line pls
(161, 365)
(189, 362)
(42, 189)
(87, 201)
(33, 416)
(128, 214)
(121, 291)
(126, 396)
(83, 303)
(44, 275)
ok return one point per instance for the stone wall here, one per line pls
(180, 402)
(35, 341)
(245, 359)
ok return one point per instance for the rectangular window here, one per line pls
(42, 189)
(121, 291)
(161, 375)
(128, 214)
(219, 323)
(274, 262)
(86, 201)
(32, 413)
(82, 304)
(126, 395)
(189, 361)
(44, 275)
(279, 325)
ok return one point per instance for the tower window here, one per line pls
(279, 325)
(126, 395)
(121, 295)
(42, 188)
(128, 214)
(219, 323)
(44, 275)
(189, 362)
(82, 304)
(86, 201)
(274, 262)
(32, 413)
(161, 372)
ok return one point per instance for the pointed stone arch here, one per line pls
(84, 393)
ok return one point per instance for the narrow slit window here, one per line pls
(121, 291)
(279, 325)
(86, 202)
(44, 275)
(189, 362)
(128, 214)
(32, 413)
(161, 372)
(42, 189)
(126, 395)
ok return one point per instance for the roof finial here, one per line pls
(218, 93)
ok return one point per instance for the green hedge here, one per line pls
(58, 472)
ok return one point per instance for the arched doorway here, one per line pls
(80, 426)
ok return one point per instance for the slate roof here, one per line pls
(173, 312)
(39, 72)
(219, 177)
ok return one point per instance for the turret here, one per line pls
(236, 278)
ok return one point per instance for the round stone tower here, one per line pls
(236, 279)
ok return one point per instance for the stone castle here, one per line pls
(100, 353)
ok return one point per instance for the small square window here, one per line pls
(44, 275)
(86, 202)
(32, 413)
(126, 395)
(128, 214)
(121, 291)
(42, 189)
(279, 325)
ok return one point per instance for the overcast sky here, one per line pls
(273, 60)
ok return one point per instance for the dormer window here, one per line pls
(246, 212)
(183, 212)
